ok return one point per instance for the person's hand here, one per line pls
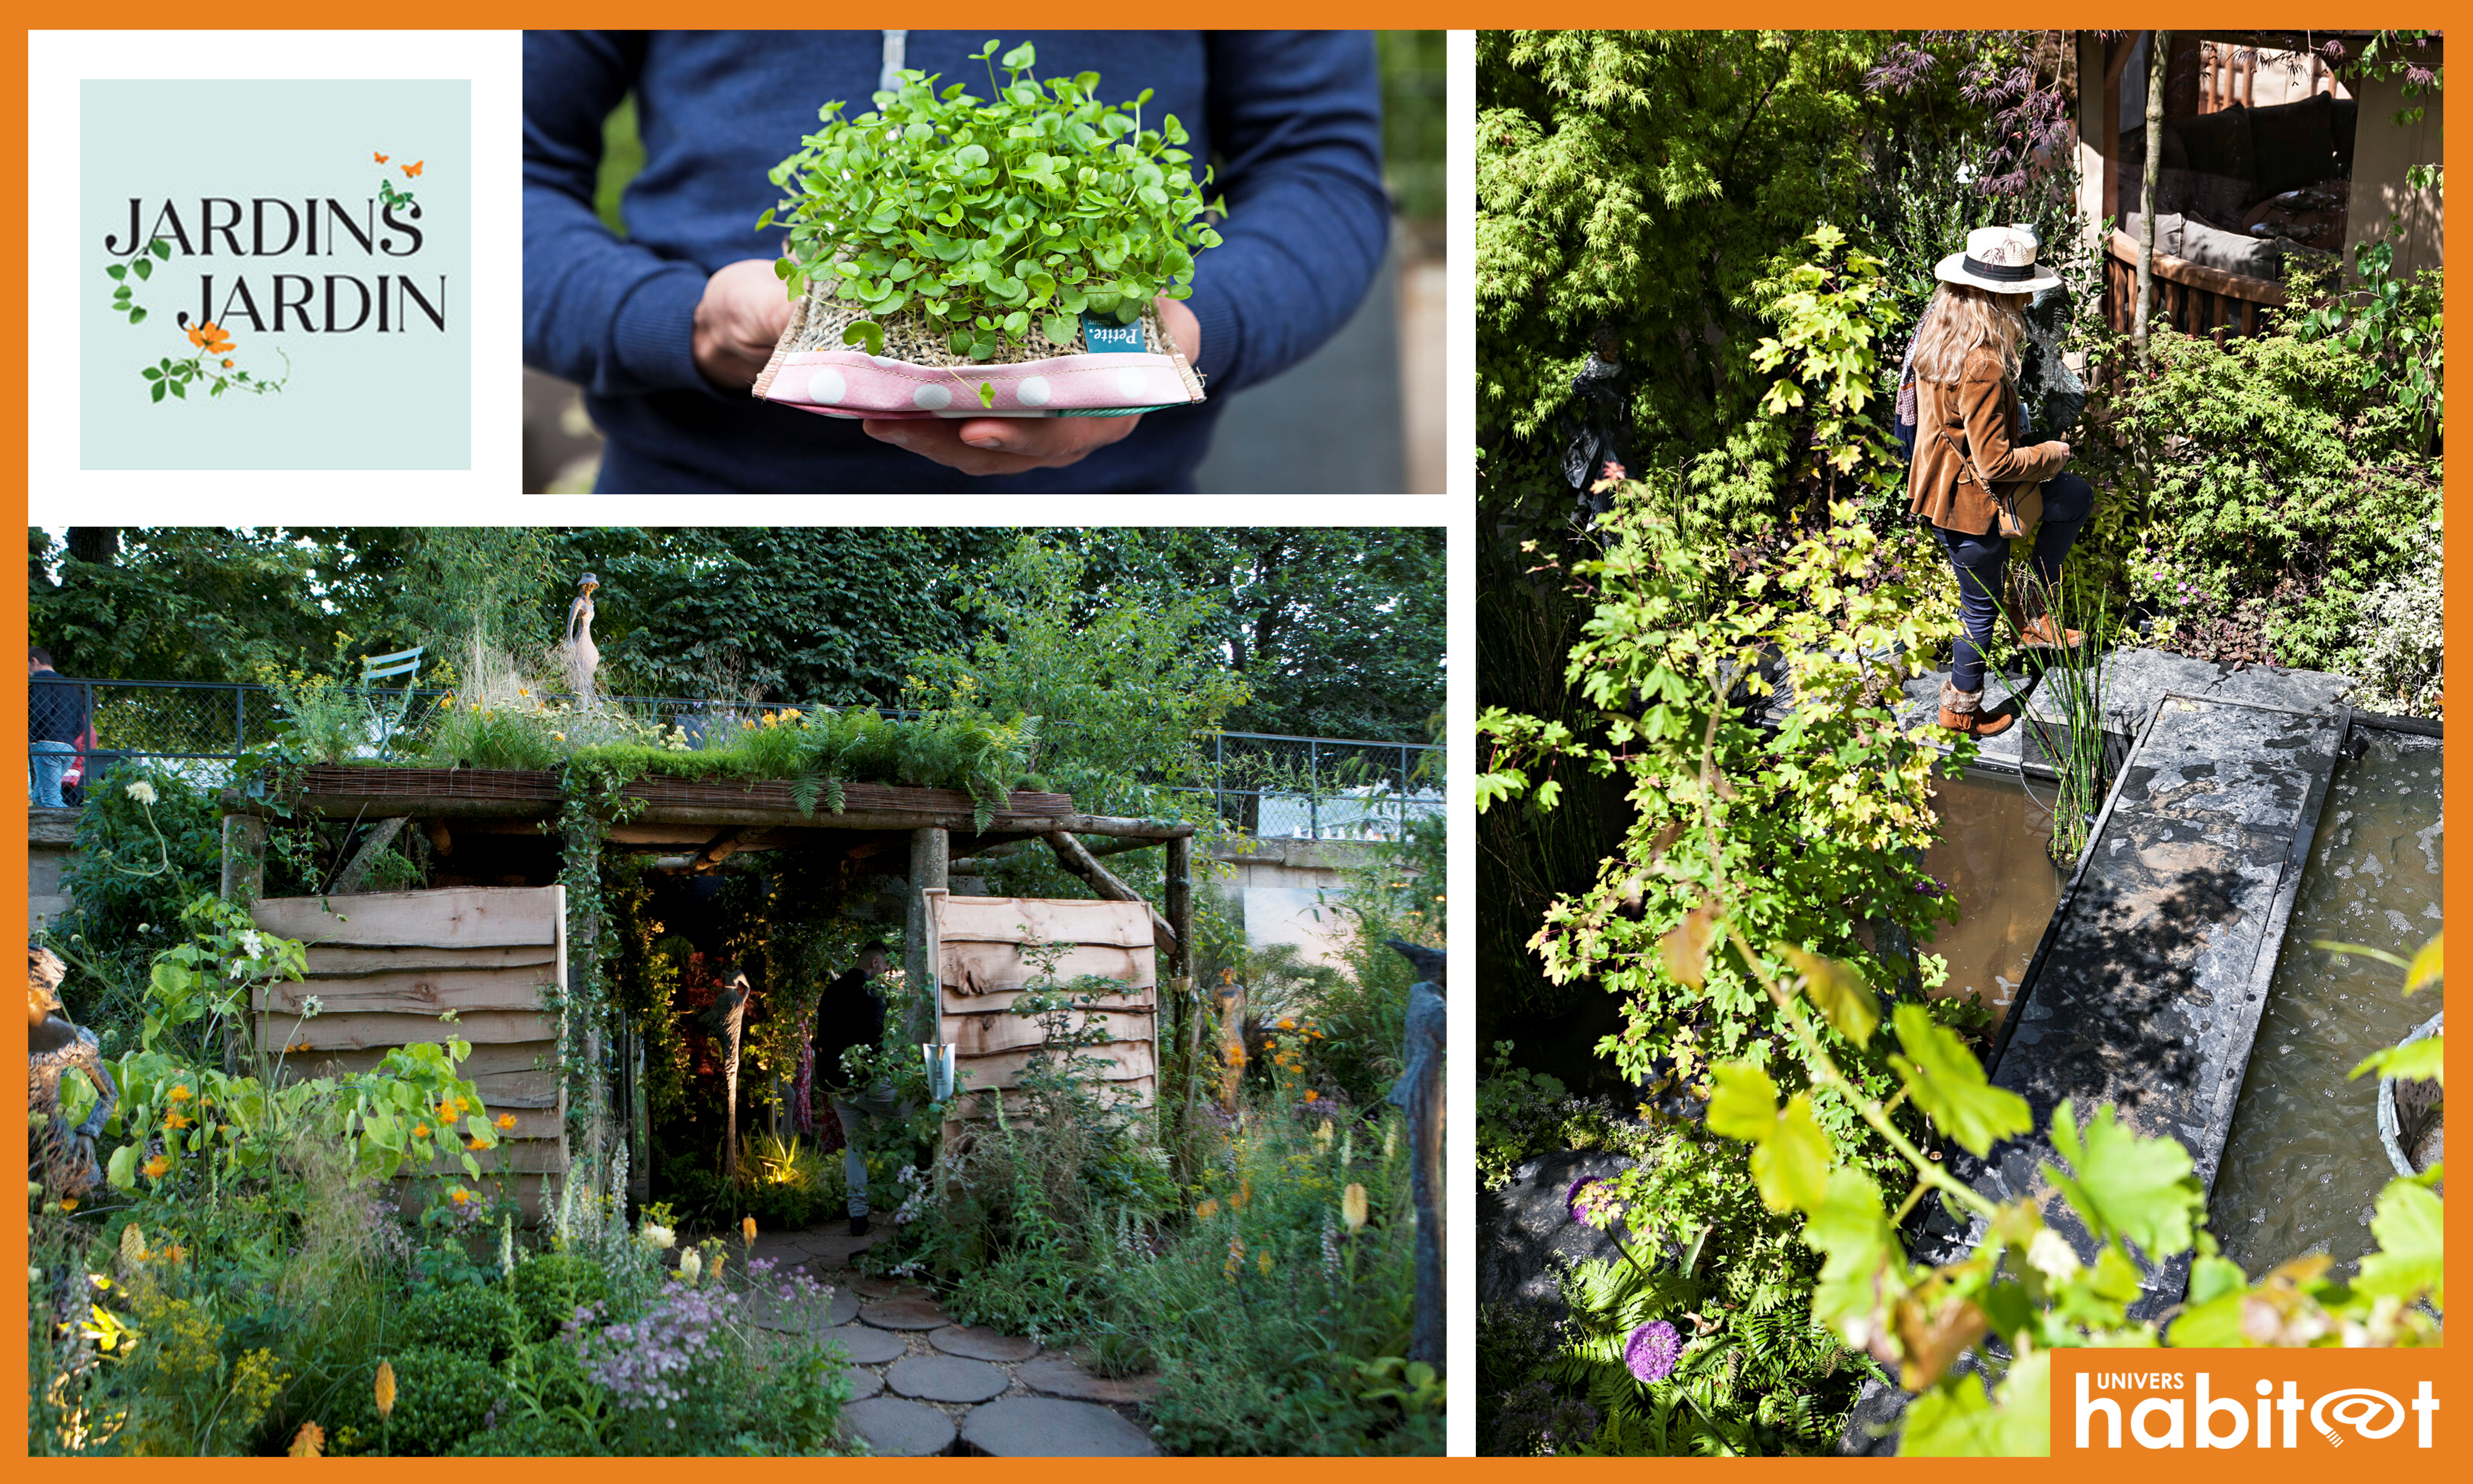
(2065, 450)
(1009, 446)
(741, 316)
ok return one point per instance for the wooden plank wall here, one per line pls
(384, 966)
(977, 944)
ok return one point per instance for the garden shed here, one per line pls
(514, 930)
(2267, 148)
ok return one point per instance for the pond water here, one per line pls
(2303, 1166)
(1995, 854)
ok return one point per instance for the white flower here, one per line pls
(658, 1238)
(141, 791)
(2048, 1253)
(312, 1007)
(252, 944)
(690, 1267)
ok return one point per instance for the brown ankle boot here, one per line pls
(1963, 712)
(2035, 627)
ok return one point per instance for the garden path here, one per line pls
(925, 1386)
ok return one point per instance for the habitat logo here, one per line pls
(2115, 1401)
(283, 290)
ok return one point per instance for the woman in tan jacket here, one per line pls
(1972, 468)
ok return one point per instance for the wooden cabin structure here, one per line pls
(2267, 149)
(498, 928)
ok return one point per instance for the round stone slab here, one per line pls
(865, 1384)
(866, 1347)
(797, 1318)
(971, 1342)
(900, 1429)
(1059, 1376)
(946, 1378)
(1041, 1427)
(904, 1314)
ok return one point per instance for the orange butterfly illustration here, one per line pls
(413, 169)
(375, 155)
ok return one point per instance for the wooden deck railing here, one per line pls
(2199, 300)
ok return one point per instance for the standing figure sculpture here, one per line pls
(1419, 1094)
(582, 657)
(60, 1156)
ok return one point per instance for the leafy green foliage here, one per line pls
(982, 216)
(550, 1287)
(136, 866)
(474, 1320)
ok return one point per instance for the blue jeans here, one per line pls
(1983, 564)
(850, 1108)
(51, 762)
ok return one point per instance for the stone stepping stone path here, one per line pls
(868, 1347)
(947, 1378)
(1045, 1428)
(922, 1384)
(904, 1314)
(900, 1429)
(1059, 1376)
(974, 1343)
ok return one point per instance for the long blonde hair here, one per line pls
(1961, 318)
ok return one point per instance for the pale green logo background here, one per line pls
(359, 400)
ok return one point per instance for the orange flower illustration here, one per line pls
(210, 338)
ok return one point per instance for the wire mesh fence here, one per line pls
(1266, 785)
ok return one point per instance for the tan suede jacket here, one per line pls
(1963, 443)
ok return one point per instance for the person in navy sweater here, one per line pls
(666, 327)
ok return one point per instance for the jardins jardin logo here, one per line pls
(271, 266)
(289, 288)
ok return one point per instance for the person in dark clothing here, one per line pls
(54, 719)
(850, 1016)
(667, 328)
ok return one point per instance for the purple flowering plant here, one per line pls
(1651, 1352)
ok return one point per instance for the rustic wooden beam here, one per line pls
(1179, 900)
(930, 860)
(244, 879)
(380, 838)
(1076, 858)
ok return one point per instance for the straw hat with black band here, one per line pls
(1997, 261)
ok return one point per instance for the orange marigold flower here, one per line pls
(420, 1131)
(158, 1166)
(1311, 1095)
(179, 1092)
(477, 1143)
(174, 1119)
(208, 337)
(459, 1195)
(1288, 1025)
(507, 1121)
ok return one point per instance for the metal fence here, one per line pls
(1283, 787)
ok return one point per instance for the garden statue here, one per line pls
(2053, 393)
(1419, 1093)
(582, 657)
(61, 1156)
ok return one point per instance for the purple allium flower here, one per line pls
(1571, 1196)
(1652, 1351)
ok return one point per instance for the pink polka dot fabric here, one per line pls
(853, 384)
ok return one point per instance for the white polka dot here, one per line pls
(1034, 391)
(931, 395)
(825, 385)
(1132, 383)
(886, 362)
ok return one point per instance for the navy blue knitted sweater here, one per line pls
(1292, 118)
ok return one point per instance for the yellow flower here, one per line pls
(420, 1131)
(1262, 1261)
(1288, 1025)
(477, 1143)
(310, 1442)
(1235, 1257)
(1206, 1210)
(747, 1228)
(179, 1092)
(174, 1119)
(690, 1267)
(560, 736)
(459, 1195)
(1351, 1207)
(523, 690)
(507, 1121)
(1322, 1135)
(174, 1253)
(133, 1245)
(69, 1203)
(1313, 1097)
(1244, 1195)
(385, 1394)
(158, 1166)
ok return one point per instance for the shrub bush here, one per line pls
(474, 1320)
(549, 1288)
(441, 1398)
